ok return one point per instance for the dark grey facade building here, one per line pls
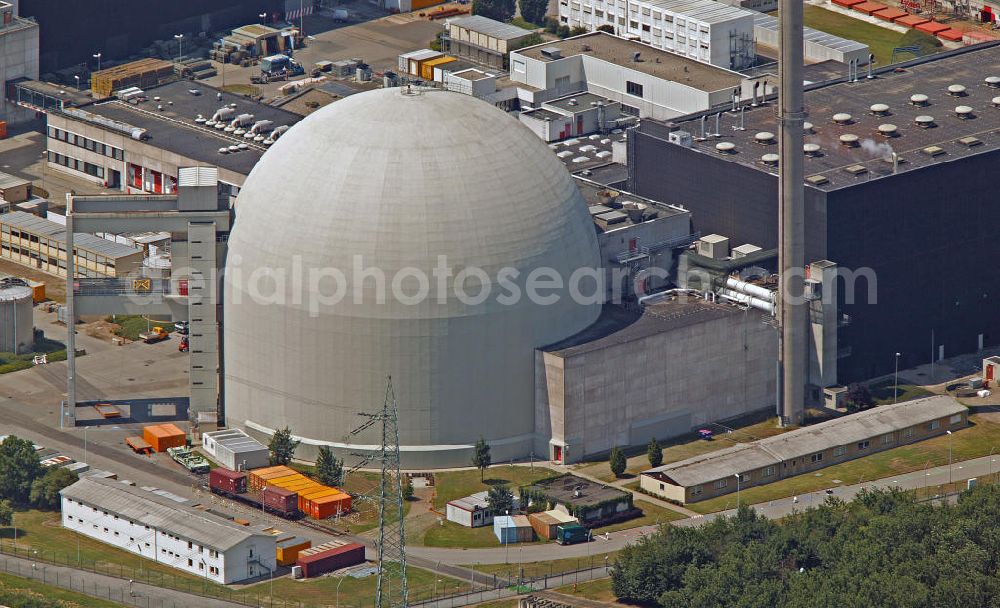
(901, 191)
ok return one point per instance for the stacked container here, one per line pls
(330, 556)
(227, 482)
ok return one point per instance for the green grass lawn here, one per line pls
(9, 362)
(130, 326)
(450, 534)
(526, 25)
(449, 485)
(240, 89)
(651, 514)
(14, 589)
(972, 442)
(687, 446)
(550, 567)
(881, 40)
(882, 392)
(598, 591)
(356, 593)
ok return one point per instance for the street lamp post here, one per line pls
(992, 460)
(949, 456)
(895, 381)
(262, 17)
(77, 77)
(180, 43)
(342, 579)
(97, 56)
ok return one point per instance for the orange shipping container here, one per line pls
(329, 506)
(163, 436)
(287, 552)
(283, 480)
(295, 484)
(306, 498)
(258, 477)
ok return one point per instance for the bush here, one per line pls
(45, 489)
(618, 461)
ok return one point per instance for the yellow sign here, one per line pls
(141, 284)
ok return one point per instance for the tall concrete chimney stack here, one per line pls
(791, 222)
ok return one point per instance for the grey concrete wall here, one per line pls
(661, 385)
(18, 58)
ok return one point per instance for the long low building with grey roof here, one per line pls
(167, 529)
(805, 449)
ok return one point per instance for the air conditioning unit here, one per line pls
(681, 138)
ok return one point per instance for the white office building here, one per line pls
(705, 30)
(235, 450)
(167, 529)
(646, 81)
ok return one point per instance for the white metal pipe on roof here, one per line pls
(750, 289)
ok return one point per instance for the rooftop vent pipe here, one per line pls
(919, 99)
(888, 130)
(807, 127)
(842, 118)
(879, 109)
(770, 159)
(993, 82)
(963, 112)
(725, 147)
(764, 137)
(849, 140)
(871, 64)
(996, 101)
(956, 90)
(924, 121)
(811, 149)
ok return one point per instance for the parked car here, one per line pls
(181, 327)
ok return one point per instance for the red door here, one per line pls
(579, 125)
(557, 453)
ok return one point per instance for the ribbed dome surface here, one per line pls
(409, 182)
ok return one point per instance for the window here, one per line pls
(887, 439)
(633, 88)
(839, 451)
(661, 487)
(863, 445)
(769, 471)
(190, 545)
(955, 419)
(745, 477)
(190, 562)
(201, 565)
(817, 457)
(696, 490)
(934, 425)
(721, 483)
(908, 432)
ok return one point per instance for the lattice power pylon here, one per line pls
(391, 591)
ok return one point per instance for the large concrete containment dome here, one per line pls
(405, 233)
(17, 329)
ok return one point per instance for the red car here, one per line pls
(705, 433)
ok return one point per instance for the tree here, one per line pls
(610, 29)
(499, 10)
(6, 513)
(329, 470)
(481, 458)
(551, 25)
(45, 489)
(407, 489)
(533, 11)
(618, 462)
(282, 447)
(500, 500)
(19, 467)
(654, 452)
(578, 31)
(858, 397)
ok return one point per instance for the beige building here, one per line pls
(41, 244)
(633, 376)
(484, 40)
(804, 450)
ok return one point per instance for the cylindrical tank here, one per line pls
(16, 324)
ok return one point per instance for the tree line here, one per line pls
(882, 549)
(24, 482)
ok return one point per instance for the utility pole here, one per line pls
(391, 587)
(791, 220)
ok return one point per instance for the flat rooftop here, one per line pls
(33, 224)
(845, 45)
(839, 164)
(708, 11)
(586, 151)
(70, 95)
(652, 61)
(807, 440)
(490, 27)
(174, 128)
(562, 489)
(617, 325)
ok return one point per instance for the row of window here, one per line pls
(76, 164)
(50, 250)
(86, 143)
(838, 451)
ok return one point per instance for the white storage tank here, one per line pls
(16, 324)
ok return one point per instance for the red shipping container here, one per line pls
(329, 557)
(230, 482)
(280, 499)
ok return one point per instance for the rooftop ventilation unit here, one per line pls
(573, 102)
(879, 109)
(764, 137)
(964, 112)
(681, 138)
(849, 140)
(993, 81)
(924, 122)
(725, 147)
(223, 150)
(842, 118)
(970, 141)
(888, 130)
(807, 127)
(817, 180)
(856, 169)
(770, 160)
(552, 52)
(956, 90)
(919, 99)
(811, 149)
(996, 101)
(200, 119)
(933, 151)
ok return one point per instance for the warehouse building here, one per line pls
(889, 162)
(484, 40)
(648, 82)
(165, 529)
(235, 450)
(704, 30)
(41, 244)
(18, 58)
(138, 146)
(805, 450)
(817, 46)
